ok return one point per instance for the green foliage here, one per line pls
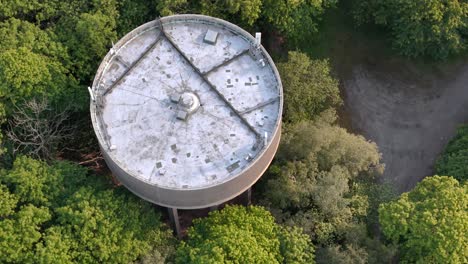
(9, 202)
(88, 37)
(242, 235)
(322, 182)
(321, 162)
(135, 13)
(48, 47)
(23, 74)
(295, 246)
(297, 19)
(20, 232)
(34, 10)
(34, 182)
(431, 28)
(172, 7)
(243, 12)
(309, 88)
(454, 159)
(33, 64)
(430, 223)
(59, 214)
(16, 33)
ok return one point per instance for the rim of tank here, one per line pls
(168, 20)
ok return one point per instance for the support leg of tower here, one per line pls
(247, 197)
(174, 218)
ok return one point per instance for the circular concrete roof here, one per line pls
(186, 102)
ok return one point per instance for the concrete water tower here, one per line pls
(187, 111)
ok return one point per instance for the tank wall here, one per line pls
(193, 198)
(198, 198)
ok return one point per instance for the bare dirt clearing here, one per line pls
(410, 113)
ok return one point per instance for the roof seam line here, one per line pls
(225, 62)
(260, 105)
(163, 33)
(158, 38)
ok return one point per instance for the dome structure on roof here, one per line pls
(187, 110)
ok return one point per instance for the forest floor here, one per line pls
(410, 108)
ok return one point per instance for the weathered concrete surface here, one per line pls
(410, 112)
(184, 123)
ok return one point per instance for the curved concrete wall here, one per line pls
(199, 198)
(190, 198)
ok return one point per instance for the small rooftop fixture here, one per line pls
(211, 37)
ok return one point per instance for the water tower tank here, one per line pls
(187, 110)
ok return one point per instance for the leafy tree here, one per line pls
(88, 38)
(320, 162)
(17, 33)
(297, 19)
(20, 232)
(135, 13)
(37, 130)
(454, 159)
(308, 86)
(35, 10)
(321, 182)
(337, 254)
(23, 74)
(420, 28)
(172, 7)
(430, 222)
(34, 182)
(33, 65)
(9, 202)
(243, 12)
(242, 235)
(58, 213)
(295, 246)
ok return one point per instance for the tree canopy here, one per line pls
(296, 19)
(239, 234)
(321, 181)
(60, 214)
(308, 86)
(454, 159)
(430, 222)
(430, 28)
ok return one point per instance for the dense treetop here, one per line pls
(454, 159)
(432, 28)
(308, 86)
(60, 214)
(296, 19)
(321, 182)
(244, 235)
(430, 222)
